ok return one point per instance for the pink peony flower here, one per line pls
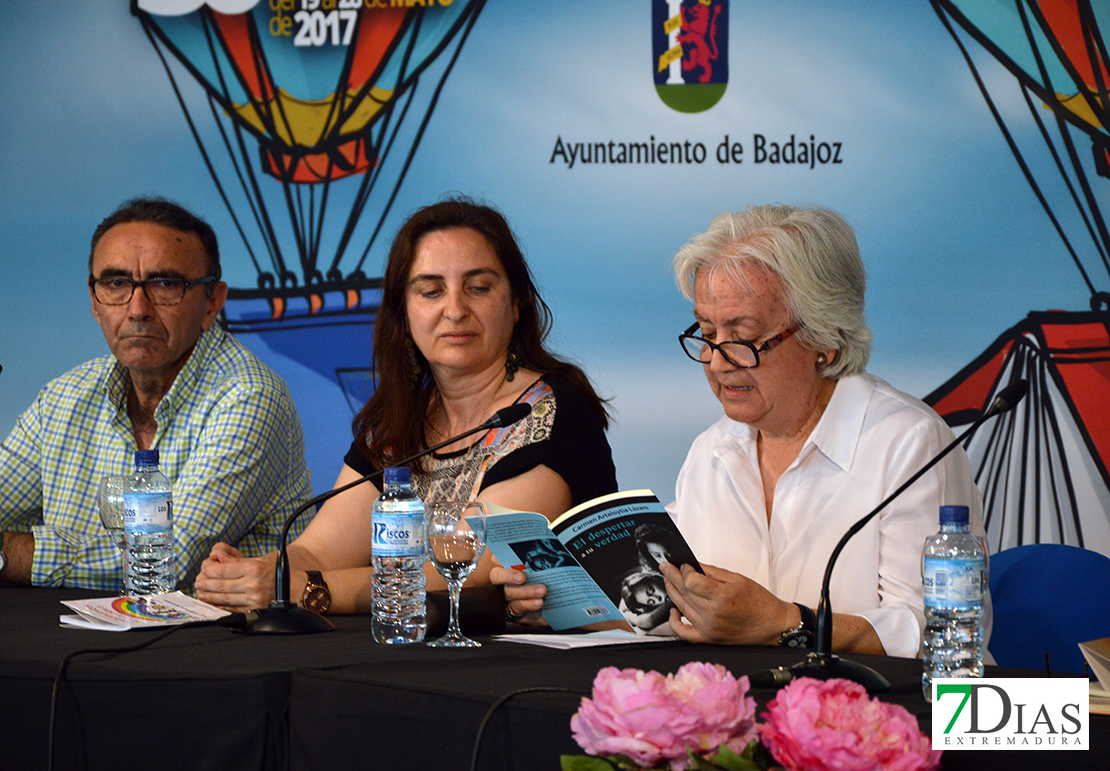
(726, 713)
(833, 726)
(651, 718)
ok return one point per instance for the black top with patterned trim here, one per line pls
(562, 433)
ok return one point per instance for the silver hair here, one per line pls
(813, 251)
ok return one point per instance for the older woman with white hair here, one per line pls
(809, 443)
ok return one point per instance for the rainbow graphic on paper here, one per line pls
(147, 609)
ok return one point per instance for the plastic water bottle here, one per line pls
(398, 558)
(954, 572)
(148, 529)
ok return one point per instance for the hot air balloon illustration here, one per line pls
(307, 103)
(1044, 468)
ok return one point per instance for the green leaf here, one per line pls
(625, 762)
(745, 761)
(700, 763)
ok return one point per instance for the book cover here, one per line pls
(599, 561)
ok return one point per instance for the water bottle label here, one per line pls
(398, 534)
(953, 583)
(147, 512)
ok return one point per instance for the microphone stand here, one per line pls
(286, 617)
(821, 663)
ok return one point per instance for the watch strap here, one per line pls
(804, 635)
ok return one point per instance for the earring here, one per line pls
(414, 363)
(821, 360)
(512, 364)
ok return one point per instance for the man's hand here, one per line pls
(19, 554)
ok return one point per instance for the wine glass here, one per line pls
(456, 539)
(109, 502)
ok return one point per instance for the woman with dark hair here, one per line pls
(460, 335)
(656, 545)
(644, 602)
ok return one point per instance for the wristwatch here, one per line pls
(804, 635)
(316, 595)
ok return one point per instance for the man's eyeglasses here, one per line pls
(117, 290)
(738, 353)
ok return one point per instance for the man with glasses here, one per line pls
(224, 424)
(808, 444)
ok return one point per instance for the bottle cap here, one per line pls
(146, 457)
(954, 515)
(398, 475)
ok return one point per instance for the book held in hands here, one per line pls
(599, 561)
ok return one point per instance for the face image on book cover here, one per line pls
(625, 564)
(542, 554)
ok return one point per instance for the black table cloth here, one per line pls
(213, 698)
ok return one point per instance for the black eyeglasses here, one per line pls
(738, 353)
(118, 290)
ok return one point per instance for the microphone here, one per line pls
(1006, 399)
(286, 617)
(239, 620)
(501, 418)
(820, 663)
(768, 678)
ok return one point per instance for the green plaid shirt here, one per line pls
(229, 440)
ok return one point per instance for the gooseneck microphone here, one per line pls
(821, 664)
(286, 617)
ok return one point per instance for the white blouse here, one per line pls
(870, 439)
